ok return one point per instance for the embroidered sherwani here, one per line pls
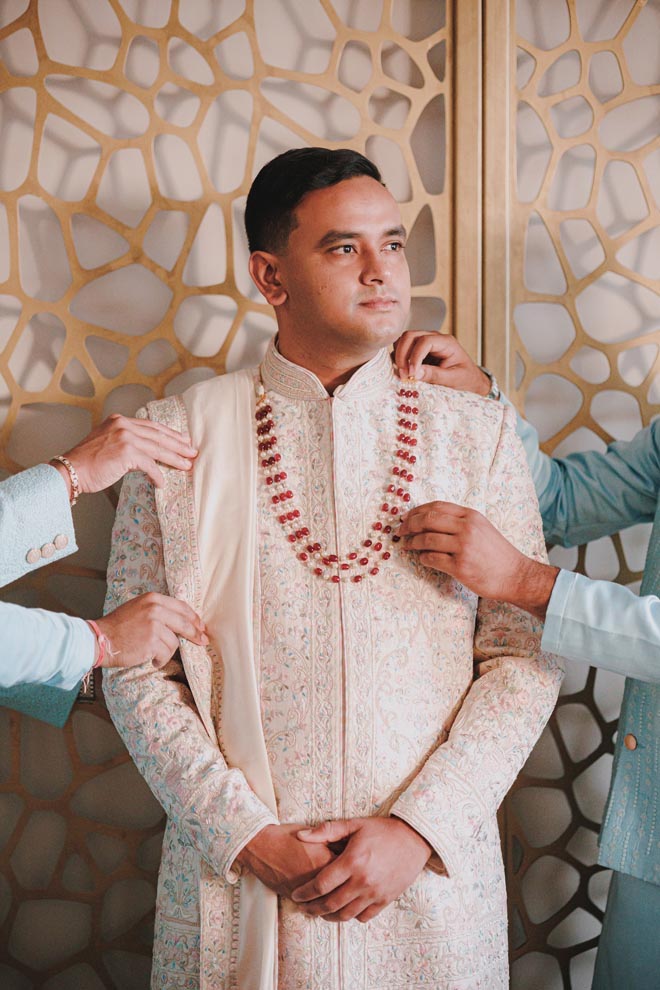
(366, 694)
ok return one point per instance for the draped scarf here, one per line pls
(215, 573)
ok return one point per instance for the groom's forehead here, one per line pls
(353, 208)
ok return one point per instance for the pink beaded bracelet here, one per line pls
(73, 477)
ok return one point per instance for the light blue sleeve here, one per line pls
(588, 495)
(583, 497)
(40, 647)
(36, 526)
(605, 625)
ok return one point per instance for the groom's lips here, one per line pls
(380, 303)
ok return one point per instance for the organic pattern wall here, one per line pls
(129, 146)
(130, 134)
(585, 298)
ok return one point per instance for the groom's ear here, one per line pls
(265, 273)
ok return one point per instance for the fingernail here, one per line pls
(304, 831)
(205, 640)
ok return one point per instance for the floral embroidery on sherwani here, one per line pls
(369, 703)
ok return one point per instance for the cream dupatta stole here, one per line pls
(210, 562)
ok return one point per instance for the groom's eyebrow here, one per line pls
(335, 236)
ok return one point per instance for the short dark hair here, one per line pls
(284, 181)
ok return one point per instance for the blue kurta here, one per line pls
(582, 497)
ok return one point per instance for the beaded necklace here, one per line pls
(363, 560)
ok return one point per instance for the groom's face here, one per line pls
(344, 269)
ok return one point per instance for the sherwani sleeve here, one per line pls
(155, 713)
(461, 785)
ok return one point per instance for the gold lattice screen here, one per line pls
(123, 196)
(584, 238)
(130, 134)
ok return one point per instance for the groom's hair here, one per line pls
(284, 181)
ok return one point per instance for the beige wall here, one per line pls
(129, 138)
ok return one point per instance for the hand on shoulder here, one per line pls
(439, 359)
(121, 444)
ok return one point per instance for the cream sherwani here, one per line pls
(339, 700)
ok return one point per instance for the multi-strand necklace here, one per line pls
(364, 559)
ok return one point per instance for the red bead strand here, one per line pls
(362, 561)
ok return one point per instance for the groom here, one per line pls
(338, 690)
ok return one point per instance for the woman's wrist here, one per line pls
(61, 470)
(74, 491)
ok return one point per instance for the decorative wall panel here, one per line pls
(130, 134)
(584, 238)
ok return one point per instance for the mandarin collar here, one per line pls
(294, 382)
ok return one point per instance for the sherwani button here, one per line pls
(61, 541)
(629, 741)
(33, 555)
(47, 550)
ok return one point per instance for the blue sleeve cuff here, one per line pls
(40, 647)
(554, 617)
(80, 652)
(36, 525)
(605, 625)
